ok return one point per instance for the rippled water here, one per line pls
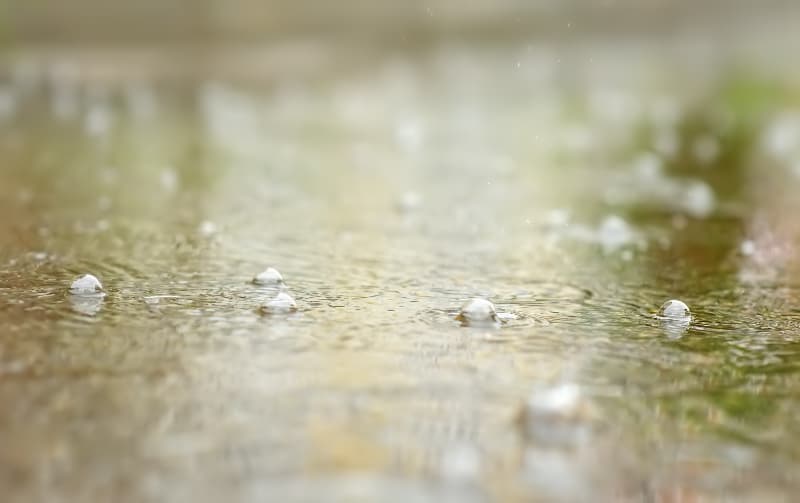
(387, 195)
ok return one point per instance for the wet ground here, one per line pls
(577, 190)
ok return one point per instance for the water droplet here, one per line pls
(282, 303)
(477, 311)
(87, 285)
(270, 276)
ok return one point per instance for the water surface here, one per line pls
(388, 193)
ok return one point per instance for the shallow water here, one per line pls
(387, 195)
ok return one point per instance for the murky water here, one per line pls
(388, 193)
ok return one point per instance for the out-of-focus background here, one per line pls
(209, 21)
(575, 163)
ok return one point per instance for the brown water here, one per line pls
(388, 192)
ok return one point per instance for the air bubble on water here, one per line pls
(207, 228)
(699, 200)
(747, 248)
(674, 310)
(87, 285)
(270, 276)
(477, 311)
(282, 303)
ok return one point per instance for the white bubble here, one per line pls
(86, 285)
(747, 248)
(674, 310)
(207, 228)
(269, 276)
(477, 310)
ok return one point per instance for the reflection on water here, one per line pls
(388, 196)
